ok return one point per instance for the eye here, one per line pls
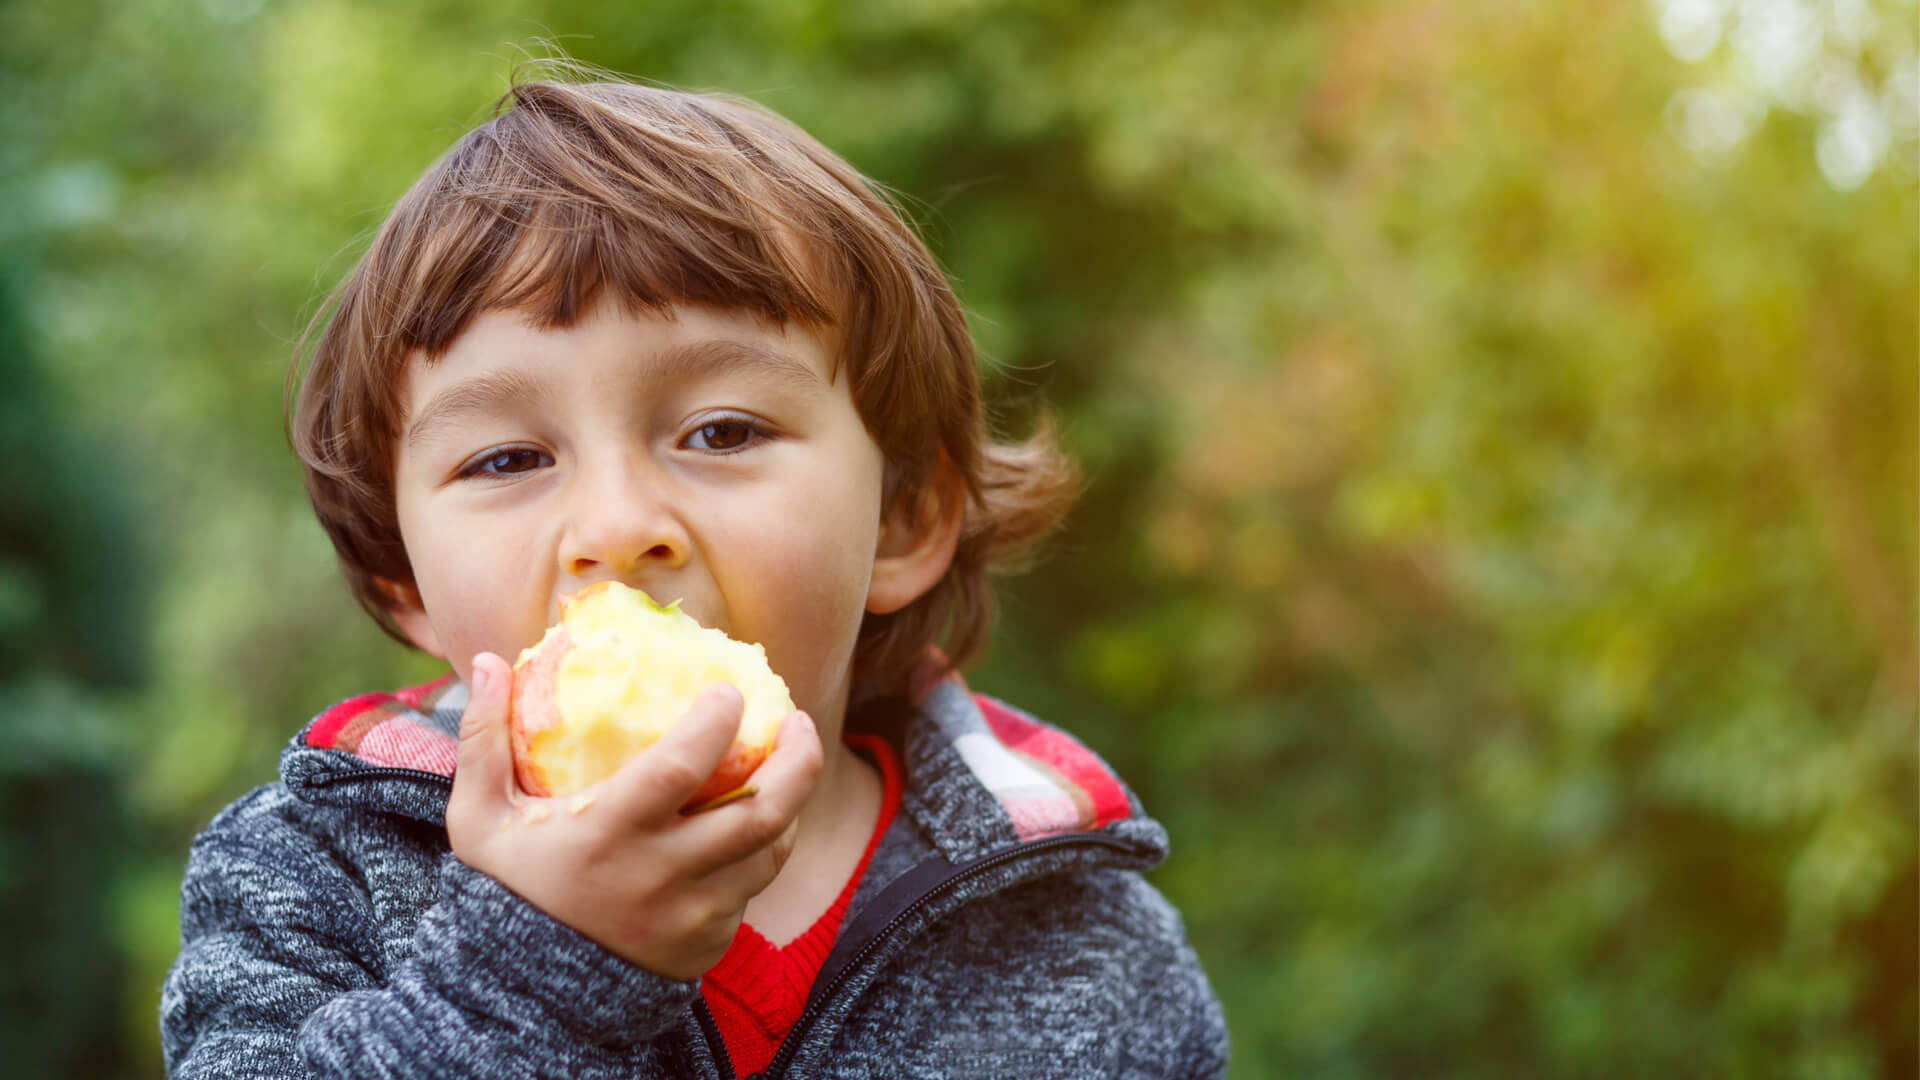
(506, 462)
(724, 434)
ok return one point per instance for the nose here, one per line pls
(622, 522)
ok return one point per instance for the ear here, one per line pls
(403, 604)
(918, 536)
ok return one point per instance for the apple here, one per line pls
(614, 675)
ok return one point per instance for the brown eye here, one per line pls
(513, 459)
(722, 435)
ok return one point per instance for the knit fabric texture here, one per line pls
(1002, 928)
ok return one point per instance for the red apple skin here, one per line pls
(731, 774)
(532, 709)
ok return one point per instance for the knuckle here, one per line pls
(676, 772)
(766, 867)
(765, 824)
(474, 726)
(695, 915)
(781, 849)
(812, 758)
(707, 911)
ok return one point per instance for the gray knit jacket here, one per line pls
(1003, 928)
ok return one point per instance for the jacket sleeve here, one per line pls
(1181, 1034)
(277, 977)
(1178, 1030)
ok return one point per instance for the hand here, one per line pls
(662, 889)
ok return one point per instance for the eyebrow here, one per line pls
(475, 397)
(725, 356)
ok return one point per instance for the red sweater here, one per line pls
(758, 990)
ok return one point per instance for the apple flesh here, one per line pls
(616, 673)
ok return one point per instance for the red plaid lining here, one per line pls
(1097, 797)
(384, 729)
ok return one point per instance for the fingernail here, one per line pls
(480, 678)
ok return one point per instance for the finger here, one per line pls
(732, 832)
(742, 880)
(483, 784)
(661, 779)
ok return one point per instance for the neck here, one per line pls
(835, 824)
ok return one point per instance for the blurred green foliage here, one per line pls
(1498, 563)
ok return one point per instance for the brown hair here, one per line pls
(668, 198)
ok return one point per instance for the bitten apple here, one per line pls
(614, 675)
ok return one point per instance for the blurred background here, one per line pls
(1498, 564)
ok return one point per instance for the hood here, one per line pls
(981, 775)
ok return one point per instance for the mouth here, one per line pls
(660, 597)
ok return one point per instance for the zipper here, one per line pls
(382, 772)
(790, 1046)
(370, 772)
(716, 1045)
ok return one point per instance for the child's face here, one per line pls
(708, 459)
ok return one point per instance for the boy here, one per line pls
(620, 333)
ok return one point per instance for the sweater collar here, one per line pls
(982, 775)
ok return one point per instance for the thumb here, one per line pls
(483, 769)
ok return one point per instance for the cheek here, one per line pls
(812, 584)
(821, 580)
(478, 594)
